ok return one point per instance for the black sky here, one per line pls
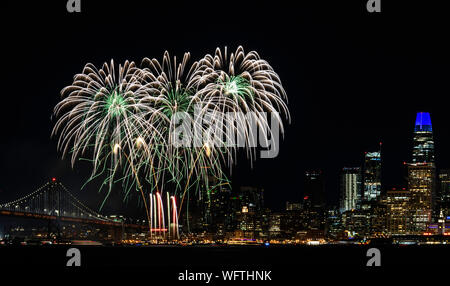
(353, 79)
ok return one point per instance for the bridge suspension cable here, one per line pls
(53, 198)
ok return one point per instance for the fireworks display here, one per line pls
(127, 121)
(244, 84)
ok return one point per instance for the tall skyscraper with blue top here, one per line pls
(423, 148)
(421, 175)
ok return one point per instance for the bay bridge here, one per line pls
(53, 202)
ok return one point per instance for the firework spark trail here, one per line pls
(238, 83)
(173, 92)
(135, 110)
(101, 110)
(243, 83)
(158, 215)
(161, 219)
(175, 216)
(151, 215)
(168, 213)
(155, 217)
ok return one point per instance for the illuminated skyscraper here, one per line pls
(421, 175)
(397, 202)
(314, 200)
(423, 148)
(252, 198)
(421, 185)
(372, 176)
(444, 192)
(444, 185)
(314, 188)
(351, 188)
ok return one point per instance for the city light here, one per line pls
(404, 214)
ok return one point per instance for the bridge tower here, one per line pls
(54, 200)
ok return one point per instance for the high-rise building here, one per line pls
(252, 197)
(351, 188)
(372, 176)
(208, 211)
(219, 208)
(444, 192)
(356, 222)
(421, 186)
(334, 226)
(423, 148)
(314, 188)
(246, 209)
(444, 185)
(293, 206)
(422, 175)
(377, 218)
(275, 224)
(397, 202)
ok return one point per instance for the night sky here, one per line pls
(353, 79)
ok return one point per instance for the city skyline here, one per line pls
(341, 106)
(367, 157)
(207, 141)
(366, 211)
(357, 183)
